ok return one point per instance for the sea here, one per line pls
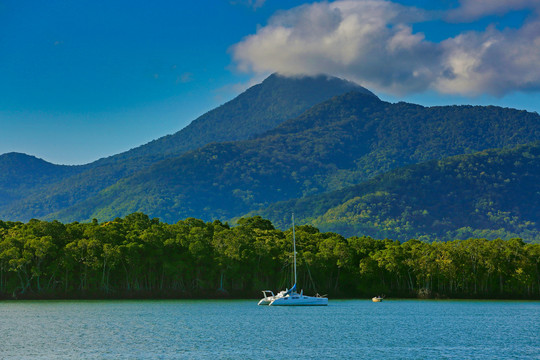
(239, 329)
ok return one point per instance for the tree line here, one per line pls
(137, 256)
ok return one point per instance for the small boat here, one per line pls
(290, 297)
(377, 298)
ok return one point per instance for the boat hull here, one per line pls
(300, 301)
(265, 301)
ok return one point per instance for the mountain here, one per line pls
(260, 108)
(337, 143)
(21, 174)
(490, 194)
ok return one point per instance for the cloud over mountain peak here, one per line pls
(373, 43)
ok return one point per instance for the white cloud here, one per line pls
(372, 42)
(344, 38)
(495, 62)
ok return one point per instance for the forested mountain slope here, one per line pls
(21, 174)
(343, 141)
(489, 194)
(258, 109)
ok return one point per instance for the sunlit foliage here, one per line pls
(137, 256)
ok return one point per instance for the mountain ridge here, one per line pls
(21, 173)
(298, 93)
(286, 96)
(350, 138)
(341, 142)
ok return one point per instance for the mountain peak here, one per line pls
(20, 158)
(18, 170)
(260, 108)
(316, 82)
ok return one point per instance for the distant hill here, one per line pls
(21, 174)
(258, 109)
(489, 194)
(341, 142)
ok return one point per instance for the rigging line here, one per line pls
(294, 247)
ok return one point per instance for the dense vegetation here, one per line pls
(340, 142)
(138, 256)
(490, 194)
(336, 144)
(49, 188)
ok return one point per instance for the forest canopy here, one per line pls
(137, 256)
(489, 194)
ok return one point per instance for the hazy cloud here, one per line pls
(372, 42)
(255, 4)
(475, 9)
(184, 78)
(226, 92)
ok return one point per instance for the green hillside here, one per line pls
(490, 194)
(341, 142)
(260, 108)
(21, 174)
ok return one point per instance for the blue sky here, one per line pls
(81, 80)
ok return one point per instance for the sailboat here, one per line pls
(290, 297)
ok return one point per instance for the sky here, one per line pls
(81, 80)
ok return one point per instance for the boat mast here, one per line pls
(294, 248)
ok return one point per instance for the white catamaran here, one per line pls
(290, 297)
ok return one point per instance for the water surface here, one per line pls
(346, 329)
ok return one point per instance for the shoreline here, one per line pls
(240, 296)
